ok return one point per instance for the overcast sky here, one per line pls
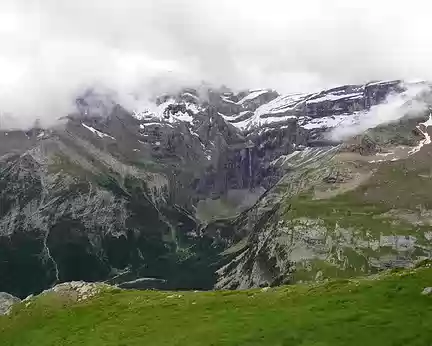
(50, 50)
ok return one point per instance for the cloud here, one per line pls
(411, 103)
(52, 50)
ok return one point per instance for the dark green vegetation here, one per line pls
(68, 221)
(385, 310)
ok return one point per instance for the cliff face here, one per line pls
(335, 214)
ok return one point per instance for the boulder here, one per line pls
(6, 302)
(427, 291)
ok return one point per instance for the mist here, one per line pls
(415, 101)
(52, 50)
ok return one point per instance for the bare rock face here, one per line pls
(6, 302)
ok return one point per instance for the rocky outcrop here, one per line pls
(77, 291)
(6, 302)
(427, 291)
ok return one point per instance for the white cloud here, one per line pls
(412, 102)
(51, 49)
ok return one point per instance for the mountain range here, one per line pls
(215, 188)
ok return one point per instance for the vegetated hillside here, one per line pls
(340, 214)
(389, 309)
(71, 211)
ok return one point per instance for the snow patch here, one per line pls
(143, 126)
(233, 118)
(384, 82)
(333, 97)
(227, 100)
(427, 139)
(252, 95)
(303, 157)
(184, 117)
(96, 132)
(194, 133)
(332, 121)
(256, 121)
(190, 95)
(158, 113)
(280, 104)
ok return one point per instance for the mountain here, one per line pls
(205, 180)
(336, 214)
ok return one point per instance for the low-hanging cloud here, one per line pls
(52, 50)
(414, 101)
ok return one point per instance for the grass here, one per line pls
(387, 311)
(357, 265)
(348, 211)
(366, 222)
(401, 185)
(404, 184)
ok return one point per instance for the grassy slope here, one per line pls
(388, 311)
(399, 186)
(348, 211)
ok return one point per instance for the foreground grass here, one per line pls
(388, 311)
